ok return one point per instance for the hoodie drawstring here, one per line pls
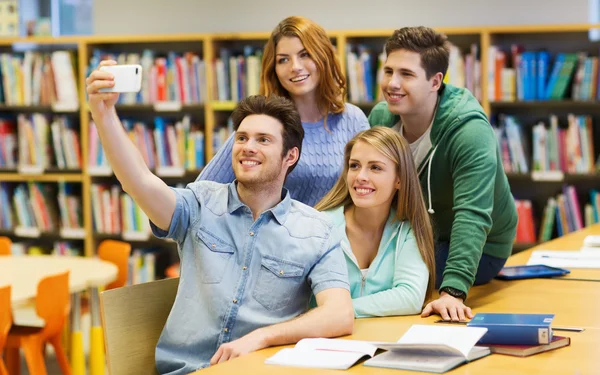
(430, 210)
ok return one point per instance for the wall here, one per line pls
(114, 17)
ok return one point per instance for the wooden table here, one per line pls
(575, 303)
(24, 272)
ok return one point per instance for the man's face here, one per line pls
(405, 85)
(257, 152)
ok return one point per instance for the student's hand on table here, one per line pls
(101, 103)
(449, 308)
(251, 342)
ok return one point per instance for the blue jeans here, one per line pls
(489, 266)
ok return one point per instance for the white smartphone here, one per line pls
(128, 78)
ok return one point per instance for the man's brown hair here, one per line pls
(281, 109)
(432, 46)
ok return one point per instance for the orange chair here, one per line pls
(5, 323)
(52, 304)
(116, 252)
(5, 244)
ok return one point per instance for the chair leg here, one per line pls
(32, 348)
(61, 357)
(3, 369)
(13, 361)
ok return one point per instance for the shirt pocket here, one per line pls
(279, 282)
(213, 255)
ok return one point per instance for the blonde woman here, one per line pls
(300, 63)
(378, 208)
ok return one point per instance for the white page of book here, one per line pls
(429, 337)
(325, 359)
(566, 259)
(363, 347)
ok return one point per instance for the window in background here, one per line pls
(55, 17)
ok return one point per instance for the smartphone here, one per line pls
(530, 272)
(128, 78)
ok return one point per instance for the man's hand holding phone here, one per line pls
(101, 103)
(106, 82)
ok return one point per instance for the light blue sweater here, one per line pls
(396, 281)
(320, 163)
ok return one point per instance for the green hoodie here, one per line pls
(464, 185)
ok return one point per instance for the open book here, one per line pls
(432, 349)
(425, 348)
(336, 354)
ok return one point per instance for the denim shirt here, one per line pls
(237, 274)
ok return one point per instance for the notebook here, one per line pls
(432, 349)
(514, 329)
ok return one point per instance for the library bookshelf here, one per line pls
(208, 108)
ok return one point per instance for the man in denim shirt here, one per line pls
(250, 255)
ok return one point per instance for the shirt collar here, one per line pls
(279, 211)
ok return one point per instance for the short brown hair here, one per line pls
(332, 85)
(432, 46)
(281, 109)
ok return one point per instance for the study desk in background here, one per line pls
(575, 303)
(24, 272)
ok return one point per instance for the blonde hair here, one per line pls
(332, 85)
(409, 202)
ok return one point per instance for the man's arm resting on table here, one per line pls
(333, 317)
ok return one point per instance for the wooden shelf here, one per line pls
(591, 105)
(35, 108)
(151, 241)
(46, 177)
(522, 246)
(223, 106)
(568, 178)
(189, 175)
(155, 108)
(212, 112)
(42, 235)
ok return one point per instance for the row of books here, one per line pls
(34, 78)
(237, 73)
(568, 150)
(172, 77)
(37, 144)
(147, 264)
(38, 207)
(564, 210)
(169, 148)
(114, 212)
(531, 75)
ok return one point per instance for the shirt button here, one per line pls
(226, 329)
(244, 268)
(251, 233)
(281, 272)
(234, 300)
(214, 245)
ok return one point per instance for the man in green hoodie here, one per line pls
(455, 149)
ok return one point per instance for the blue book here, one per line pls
(514, 329)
